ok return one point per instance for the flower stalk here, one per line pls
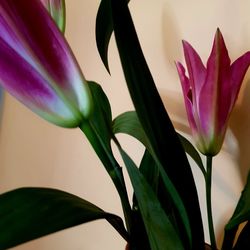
(209, 202)
(111, 165)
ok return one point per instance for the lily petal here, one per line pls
(48, 55)
(187, 92)
(196, 69)
(56, 9)
(238, 71)
(215, 95)
(29, 87)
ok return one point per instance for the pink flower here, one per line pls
(210, 92)
(38, 67)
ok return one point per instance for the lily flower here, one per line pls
(210, 92)
(56, 8)
(37, 65)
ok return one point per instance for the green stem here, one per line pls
(112, 167)
(209, 202)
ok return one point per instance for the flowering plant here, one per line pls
(40, 70)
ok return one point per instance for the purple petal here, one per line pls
(238, 71)
(187, 93)
(215, 94)
(196, 69)
(22, 81)
(27, 28)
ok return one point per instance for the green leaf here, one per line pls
(102, 116)
(154, 119)
(104, 30)
(161, 233)
(29, 213)
(98, 130)
(240, 215)
(150, 170)
(128, 123)
(242, 211)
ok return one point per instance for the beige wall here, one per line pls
(35, 153)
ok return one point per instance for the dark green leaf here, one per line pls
(242, 211)
(102, 116)
(154, 119)
(161, 233)
(98, 130)
(129, 123)
(240, 215)
(150, 170)
(29, 213)
(104, 29)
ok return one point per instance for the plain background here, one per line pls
(36, 153)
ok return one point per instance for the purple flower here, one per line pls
(210, 92)
(56, 8)
(38, 67)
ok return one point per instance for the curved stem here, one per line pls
(209, 202)
(112, 167)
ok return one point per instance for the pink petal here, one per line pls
(196, 69)
(187, 93)
(238, 71)
(27, 28)
(22, 81)
(215, 94)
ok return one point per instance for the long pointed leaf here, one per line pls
(128, 123)
(104, 30)
(240, 215)
(98, 130)
(161, 233)
(29, 213)
(154, 119)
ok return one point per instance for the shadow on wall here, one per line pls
(240, 126)
(174, 104)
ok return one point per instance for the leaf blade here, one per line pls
(240, 215)
(128, 123)
(161, 233)
(154, 118)
(29, 213)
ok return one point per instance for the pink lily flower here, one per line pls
(38, 67)
(210, 92)
(56, 8)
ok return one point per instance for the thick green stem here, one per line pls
(112, 167)
(209, 202)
